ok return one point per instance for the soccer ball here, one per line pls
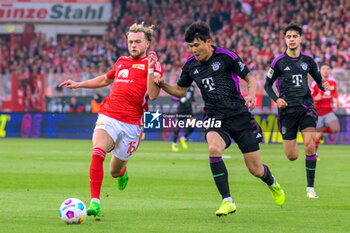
(73, 210)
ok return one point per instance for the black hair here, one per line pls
(200, 31)
(99, 98)
(293, 27)
(326, 64)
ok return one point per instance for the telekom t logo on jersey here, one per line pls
(297, 79)
(208, 83)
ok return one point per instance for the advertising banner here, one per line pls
(77, 11)
(81, 126)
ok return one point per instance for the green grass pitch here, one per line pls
(167, 191)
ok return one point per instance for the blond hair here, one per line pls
(148, 31)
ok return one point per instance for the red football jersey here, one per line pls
(128, 97)
(324, 105)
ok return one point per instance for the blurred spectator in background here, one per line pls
(252, 28)
(96, 102)
(76, 106)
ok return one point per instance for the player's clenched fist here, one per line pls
(281, 103)
(250, 102)
(325, 85)
(152, 59)
(70, 84)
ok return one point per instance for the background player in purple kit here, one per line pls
(295, 105)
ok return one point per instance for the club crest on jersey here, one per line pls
(284, 130)
(215, 66)
(139, 66)
(123, 73)
(304, 66)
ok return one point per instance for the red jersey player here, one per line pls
(118, 127)
(327, 120)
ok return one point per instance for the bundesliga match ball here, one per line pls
(73, 210)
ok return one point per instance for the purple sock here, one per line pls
(215, 159)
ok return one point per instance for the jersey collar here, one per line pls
(293, 58)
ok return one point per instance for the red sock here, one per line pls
(327, 130)
(317, 143)
(96, 172)
(121, 174)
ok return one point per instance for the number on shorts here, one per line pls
(132, 148)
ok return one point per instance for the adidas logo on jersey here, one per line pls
(287, 68)
(259, 135)
(196, 71)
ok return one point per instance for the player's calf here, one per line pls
(317, 144)
(310, 147)
(257, 171)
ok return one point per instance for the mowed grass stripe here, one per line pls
(167, 191)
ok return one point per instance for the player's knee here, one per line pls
(336, 129)
(100, 145)
(292, 156)
(214, 150)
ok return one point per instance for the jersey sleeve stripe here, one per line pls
(189, 59)
(158, 66)
(305, 54)
(278, 87)
(276, 59)
(228, 52)
(235, 79)
(145, 98)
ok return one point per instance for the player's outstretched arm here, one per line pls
(100, 81)
(172, 89)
